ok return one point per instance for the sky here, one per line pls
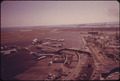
(39, 13)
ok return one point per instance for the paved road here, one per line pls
(75, 70)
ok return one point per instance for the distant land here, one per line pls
(88, 25)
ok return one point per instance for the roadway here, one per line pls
(75, 70)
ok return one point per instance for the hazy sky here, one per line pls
(36, 13)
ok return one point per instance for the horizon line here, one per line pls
(62, 24)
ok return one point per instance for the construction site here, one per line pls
(60, 54)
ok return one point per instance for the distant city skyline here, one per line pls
(43, 13)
